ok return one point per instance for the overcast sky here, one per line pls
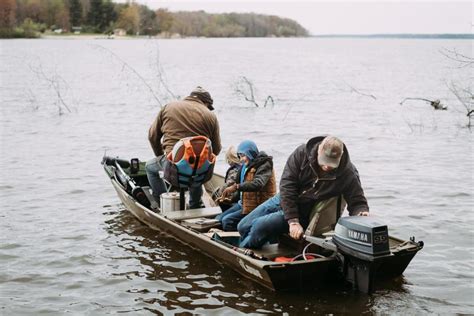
(347, 17)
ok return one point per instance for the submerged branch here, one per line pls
(361, 93)
(32, 99)
(467, 100)
(54, 82)
(160, 73)
(245, 88)
(240, 89)
(436, 104)
(463, 60)
(125, 65)
(269, 98)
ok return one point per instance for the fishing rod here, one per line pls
(244, 251)
(137, 191)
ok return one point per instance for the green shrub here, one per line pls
(31, 29)
(28, 29)
(6, 33)
(89, 29)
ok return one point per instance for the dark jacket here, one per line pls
(231, 175)
(259, 185)
(301, 188)
(180, 119)
(230, 178)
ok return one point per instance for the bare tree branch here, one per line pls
(245, 88)
(160, 72)
(269, 98)
(415, 127)
(54, 82)
(410, 125)
(463, 94)
(422, 99)
(466, 98)
(32, 99)
(463, 60)
(436, 104)
(125, 65)
(361, 93)
(241, 89)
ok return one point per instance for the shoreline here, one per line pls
(335, 36)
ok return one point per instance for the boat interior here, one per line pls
(202, 221)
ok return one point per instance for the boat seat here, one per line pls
(194, 213)
(201, 224)
(222, 233)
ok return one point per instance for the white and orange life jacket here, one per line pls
(191, 162)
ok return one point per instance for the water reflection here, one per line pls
(54, 258)
(182, 277)
(177, 277)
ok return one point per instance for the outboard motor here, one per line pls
(363, 242)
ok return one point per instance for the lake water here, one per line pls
(67, 245)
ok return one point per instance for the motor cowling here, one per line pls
(362, 241)
(362, 236)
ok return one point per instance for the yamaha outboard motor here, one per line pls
(366, 252)
(363, 242)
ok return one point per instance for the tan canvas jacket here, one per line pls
(180, 119)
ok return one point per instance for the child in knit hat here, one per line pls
(255, 183)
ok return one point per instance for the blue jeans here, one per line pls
(153, 167)
(265, 223)
(231, 217)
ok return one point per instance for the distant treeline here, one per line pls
(414, 36)
(28, 18)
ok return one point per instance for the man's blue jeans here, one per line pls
(153, 167)
(265, 223)
(231, 217)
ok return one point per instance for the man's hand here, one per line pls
(223, 200)
(364, 213)
(229, 190)
(296, 231)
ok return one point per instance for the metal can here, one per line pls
(169, 202)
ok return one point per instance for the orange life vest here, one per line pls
(191, 162)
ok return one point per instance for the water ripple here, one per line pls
(68, 246)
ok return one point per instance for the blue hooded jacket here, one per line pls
(262, 166)
(248, 148)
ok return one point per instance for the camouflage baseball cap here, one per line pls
(330, 152)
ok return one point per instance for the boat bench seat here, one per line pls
(195, 213)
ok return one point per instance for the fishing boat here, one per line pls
(359, 251)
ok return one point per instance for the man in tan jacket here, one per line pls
(191, 116)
